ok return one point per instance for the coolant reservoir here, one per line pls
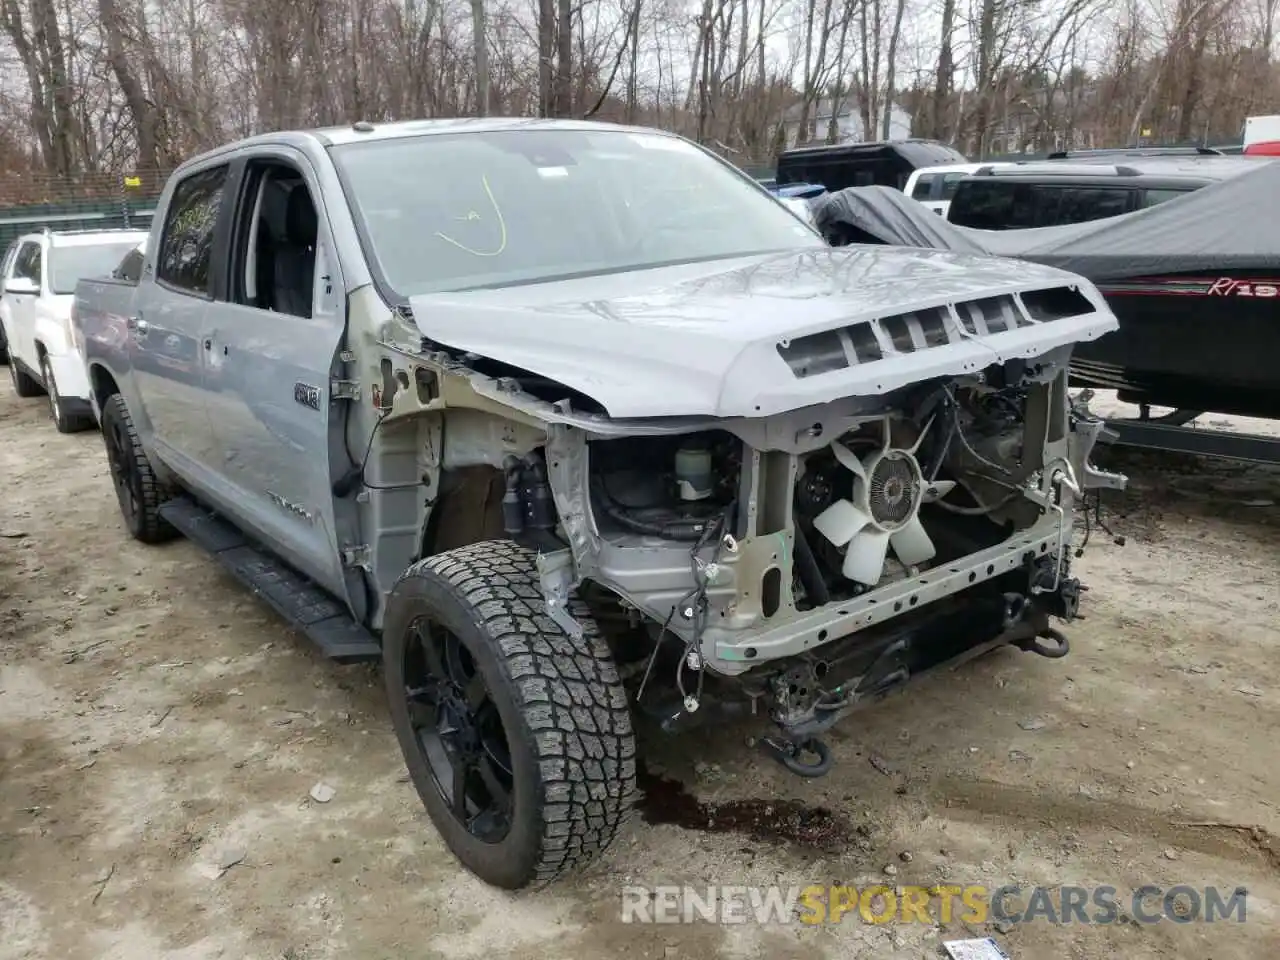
(693, 473)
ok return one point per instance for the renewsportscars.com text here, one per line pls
(941, 903)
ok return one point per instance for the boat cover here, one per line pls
(1223, 226)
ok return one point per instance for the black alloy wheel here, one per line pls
(516, 734)
(458, 731)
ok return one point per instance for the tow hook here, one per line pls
(791, 755)
(1049, 643)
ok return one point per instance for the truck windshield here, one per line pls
(70, 264)
(448, 212)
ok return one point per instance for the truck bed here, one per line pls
(102, 309)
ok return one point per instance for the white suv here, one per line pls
(40, 273)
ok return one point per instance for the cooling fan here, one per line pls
(888, 489)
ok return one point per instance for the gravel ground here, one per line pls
(161, 733)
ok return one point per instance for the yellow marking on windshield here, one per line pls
(472, 215)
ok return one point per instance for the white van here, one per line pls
(935, 186)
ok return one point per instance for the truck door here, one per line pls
(164, 332)
(272, 347)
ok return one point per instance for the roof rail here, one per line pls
(1198, 149)
(1030, 168)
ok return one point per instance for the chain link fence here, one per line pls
(31, 202)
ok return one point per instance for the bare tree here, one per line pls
(481, 41)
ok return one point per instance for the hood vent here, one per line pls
(872, 340)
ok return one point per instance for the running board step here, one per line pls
(324, 621)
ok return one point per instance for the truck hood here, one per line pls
(755, 336)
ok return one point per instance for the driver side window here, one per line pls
(273, 260)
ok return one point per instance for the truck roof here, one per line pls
(364, 130)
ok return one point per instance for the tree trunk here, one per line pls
(145, 121)
(65, 160)
(481, 40)
(946, 71)
(986, 65)
(890, 78)
(633, 34)
(564, 61)
(546, 50)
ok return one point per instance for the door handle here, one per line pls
(137, 324)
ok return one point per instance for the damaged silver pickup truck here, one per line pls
(562, 421)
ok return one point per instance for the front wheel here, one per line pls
(517, 737)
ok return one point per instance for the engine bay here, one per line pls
(795, 564)
(808, 579)
(941, 476)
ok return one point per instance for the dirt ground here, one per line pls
(160, 733)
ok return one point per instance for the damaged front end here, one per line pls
(798, 565)
(794, 565)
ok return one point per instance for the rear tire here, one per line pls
(24, 385)
(500, 672)
(138, 490)
(64, 422)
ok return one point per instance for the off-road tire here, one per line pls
(24, 385)
(63, 421)
(144, 522)
(561, 702)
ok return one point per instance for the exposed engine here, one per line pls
(797, 567)
(667, 487)
(901, 492)
(886, 501)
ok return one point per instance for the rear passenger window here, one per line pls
(186, 245)
(130, 268)
(923, 187)
(990, 204)
(1082, 204)
(1152, 197)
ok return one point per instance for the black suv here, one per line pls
(1051, 193)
